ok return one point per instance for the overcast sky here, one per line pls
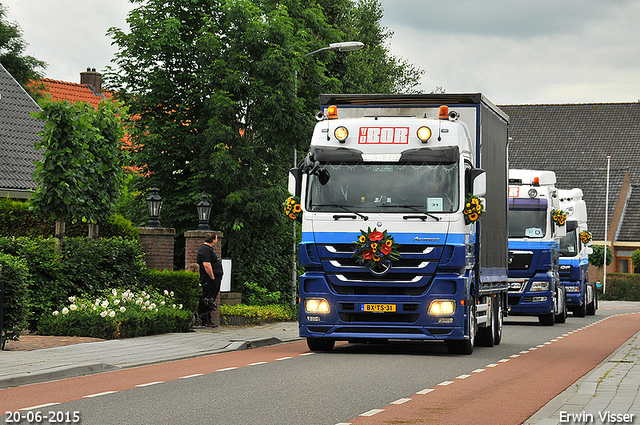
(514, 52)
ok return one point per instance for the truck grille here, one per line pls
(410, 275)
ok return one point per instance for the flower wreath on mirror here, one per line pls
(559, 217)
(473, 209)
(375, 250)
(585, 236)
(292, 208)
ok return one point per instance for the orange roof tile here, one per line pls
(73, 92)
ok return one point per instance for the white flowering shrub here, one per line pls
(118, 314)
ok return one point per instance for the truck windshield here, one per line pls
(569, 244)
(527, 223)
(383, 187)
(527, 218)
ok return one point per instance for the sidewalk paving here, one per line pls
(613, 386)
(28, 367)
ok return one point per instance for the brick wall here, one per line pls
(157, 245)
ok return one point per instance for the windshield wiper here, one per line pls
(364, 217)
(413, 208)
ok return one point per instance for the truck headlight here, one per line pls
(442, 307)
(572, 288)
(341, 134)
(316, 305)
(539, 286)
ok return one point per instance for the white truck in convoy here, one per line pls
(393, 246)
(575, 248)
(536, 225)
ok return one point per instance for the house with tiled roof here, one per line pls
(574, 140)
(18, 133)
(89, 90)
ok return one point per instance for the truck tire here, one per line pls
(320, 344)
(465, 346)
(581, 310)
(593, 305)
(499, 319)
(547, 319)
(562, 298)
(491, 335)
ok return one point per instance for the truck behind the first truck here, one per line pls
(535, 228)
(575, 248)
(396, 172)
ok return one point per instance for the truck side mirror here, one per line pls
(588, 250)
(478, 181)
(571, 225)
(295, 182)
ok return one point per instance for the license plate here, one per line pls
(379, 308)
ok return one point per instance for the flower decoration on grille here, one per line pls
(375, 250)
(473, 209)
(292, 208)
(559, 217)
(585, 237)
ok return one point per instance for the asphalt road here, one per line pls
(285, 384)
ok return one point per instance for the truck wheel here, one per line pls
(499, 320)
(320, 344)
(547, 319)
(465, 346)
(593, 305)
(487, 335)
(581, 311)
(562, 317)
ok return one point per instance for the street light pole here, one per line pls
(606, 224)
(347, 46)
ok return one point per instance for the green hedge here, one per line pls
(256, 315)
(47, 287)
(622, 287)
(88, 267)
(183, 284)
(15, 275)
(17, 220)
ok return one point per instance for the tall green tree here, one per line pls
(12, 46)
(222, 93)
(80, 176)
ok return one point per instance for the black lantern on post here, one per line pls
(154, 206)
(204, 212)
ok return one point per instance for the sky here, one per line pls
(513, 52)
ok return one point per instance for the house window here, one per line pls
(623, 265)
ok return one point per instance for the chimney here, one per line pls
(93, 80)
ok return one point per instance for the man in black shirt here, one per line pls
(210, 277)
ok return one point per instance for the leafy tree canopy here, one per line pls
(80, 176)
(597, 258)
(12, 46)
(222, 92)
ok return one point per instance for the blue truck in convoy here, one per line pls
(575, 248)
(536, 224)
(404, 221)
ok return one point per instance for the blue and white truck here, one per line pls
(575, 248)
(534, 235)
(392, 246)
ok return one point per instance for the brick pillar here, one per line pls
(157, 245)
(193, 241)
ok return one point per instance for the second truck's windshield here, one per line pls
(376, 187)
